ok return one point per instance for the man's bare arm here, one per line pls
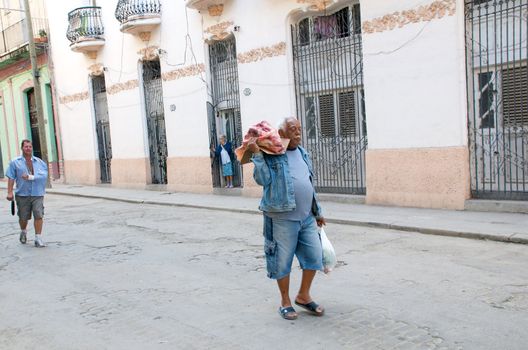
(10, 185)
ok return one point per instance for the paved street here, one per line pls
(137, 276)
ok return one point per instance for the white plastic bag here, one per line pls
(329, 255)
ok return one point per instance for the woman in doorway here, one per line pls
(225, 152)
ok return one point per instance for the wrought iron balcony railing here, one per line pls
(15, 36)
(85, 24)
(127, 10)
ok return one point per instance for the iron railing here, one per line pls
(328, 69)
(85, 22)
(129, 9)
(15, 35)
(497, 85)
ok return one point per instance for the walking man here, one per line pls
(30, 174)
(291, 216)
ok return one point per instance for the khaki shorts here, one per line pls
(28, 205)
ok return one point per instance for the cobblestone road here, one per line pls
(128, 276)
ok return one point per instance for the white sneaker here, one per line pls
(39, 243)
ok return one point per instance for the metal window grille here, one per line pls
(328, 69)
(497, 78)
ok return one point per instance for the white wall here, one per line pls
(262, 24)
(77, 126)
(415, 96)
(120, 58)
(187, 128)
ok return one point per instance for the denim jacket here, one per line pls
(273, 174)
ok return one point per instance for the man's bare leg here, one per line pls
(23, 232)
(23, 224)
(284, 288)
(303, 297)
(38, 226)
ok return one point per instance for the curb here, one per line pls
(389, 226)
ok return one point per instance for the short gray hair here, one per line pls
(284, 122)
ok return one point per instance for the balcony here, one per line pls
(86, 31)
(14, 39)
(138, 17)
(213, 7)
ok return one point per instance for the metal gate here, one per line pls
(33, 122)
(497, 85)
(328, 68)
(102, 127)
(157, 136)
(226, 100)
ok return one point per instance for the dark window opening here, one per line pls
(335, 26)
(332, 26)
(487, 91)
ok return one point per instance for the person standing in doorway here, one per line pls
(225, 152)
(30, 174)
(291, 216)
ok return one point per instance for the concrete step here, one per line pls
(501, 206)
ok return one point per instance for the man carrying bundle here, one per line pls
(291, 216)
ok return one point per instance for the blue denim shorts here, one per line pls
(285, 238)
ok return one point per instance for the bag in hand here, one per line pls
(329, 255)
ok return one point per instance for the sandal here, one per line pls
(311, 307)
(288, 313)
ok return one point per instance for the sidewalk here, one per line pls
(502, 227)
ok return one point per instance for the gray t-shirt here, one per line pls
(302, 187)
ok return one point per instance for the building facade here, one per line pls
(399, 101)
(18, 116)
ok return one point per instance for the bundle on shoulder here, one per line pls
(267, 138)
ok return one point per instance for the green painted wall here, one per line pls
(14, 115)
